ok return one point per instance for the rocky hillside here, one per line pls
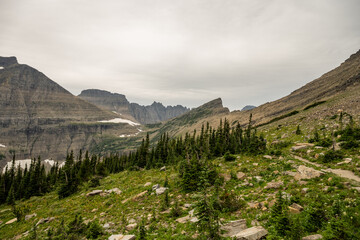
(194, 118)
(39, 117)
(153, 113)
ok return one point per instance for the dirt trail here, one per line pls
(339, 172)
(307, 161)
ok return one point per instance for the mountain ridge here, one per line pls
(150, 114)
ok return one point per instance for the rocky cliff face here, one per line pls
(39, 117)
(154, 113)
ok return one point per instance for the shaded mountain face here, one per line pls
(39, 117)
(154, 113)
(248, 107)
(27, 94)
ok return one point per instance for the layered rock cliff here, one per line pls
(39, 117)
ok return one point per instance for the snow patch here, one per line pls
(128, 135)
(116, 112)
(22, 164)
(1, 67)
(120, 120)
(2, 145)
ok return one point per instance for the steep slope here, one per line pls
(323, 97)
(39, 117)
(154, 113)
(26, 93)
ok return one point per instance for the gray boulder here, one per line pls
(234, 227)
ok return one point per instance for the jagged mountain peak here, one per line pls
(216, 103)
(154, 113)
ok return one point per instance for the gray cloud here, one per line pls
(182, 52)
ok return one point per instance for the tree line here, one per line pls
(190, 152)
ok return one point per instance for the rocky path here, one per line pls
(344, 173)
(339, 172)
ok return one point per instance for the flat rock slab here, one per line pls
(121, 237)
(307, 173)
(234, 227)
(93, 193)
(313, 237)
(253, 233)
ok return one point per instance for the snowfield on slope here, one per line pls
(2, 145)
(120, 120)
(27, 162)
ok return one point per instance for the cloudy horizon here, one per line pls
(182, 52)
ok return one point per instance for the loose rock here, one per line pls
(131, 226)
(27, 217)
(274, 185)
(161, 190)
(11, 221)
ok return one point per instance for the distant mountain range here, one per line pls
(118, 103)
(248, 107)
(39, 117)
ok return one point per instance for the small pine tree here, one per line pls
(94, 230)
(208, 218)
(298, 131)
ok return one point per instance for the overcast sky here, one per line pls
(182, 51)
